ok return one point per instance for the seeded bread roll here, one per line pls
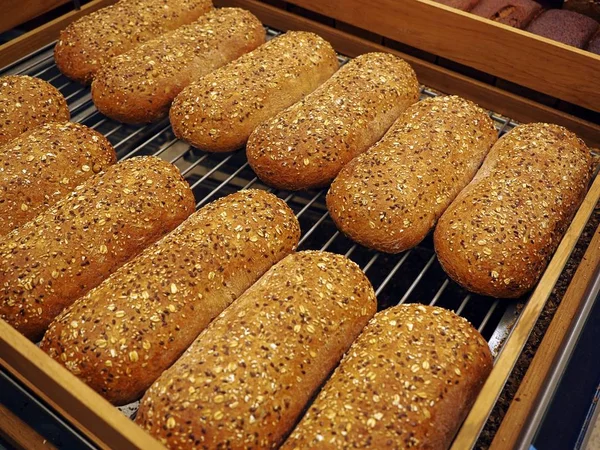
(307, 145)
(88, 43)
(27, 102)
(139, 86)
(41, 166)
(407, 382)
(499, 234)
(245, 380)
(219, 112)
(123, 334)
(390, 197)
(49, 262)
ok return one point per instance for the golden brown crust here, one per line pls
(49, 262)
(27, 102)
(408, 381)
(306, 145)
(390, 197)
(88, 43)
(245, 380)
(139, 85)
(124, 333)
(219, 112)
(499, 234)
(43, 165)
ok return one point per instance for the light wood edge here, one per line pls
(508, 433)
(104, 424)
(475, 421)
(18, 433)
(433, 76)
(43, 35)
(538, 63)
(17, 12)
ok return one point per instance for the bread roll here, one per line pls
(49, 262)
(219, 112)
(27, 102)
(139, 86)
(88, 43)
(307, 145)
(43, 165)
(390, 197)
(499, 234)
(407, 382)
(123, 334)
(245, 380)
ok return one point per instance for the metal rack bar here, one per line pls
(439, 293)
(313, 228)
(417, 280)
(488, 316)
(330, 241)
(392, 273)
(223, 183)
(309, 204)
(463, 304)
(210, 172)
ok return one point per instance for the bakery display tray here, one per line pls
(412, 276)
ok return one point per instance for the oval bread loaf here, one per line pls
(307, 145)
(27, 102)
(123, 334)
(139, 85)
(43, 165)
(244, 382)
(390, 197)
(49, 262)
(219, 112)
(88, 43)
(499, 234)
(407, 382)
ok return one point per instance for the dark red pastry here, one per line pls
(594, 45)
(563, 26)
(516, 13)
(465, 5)
(590, 8)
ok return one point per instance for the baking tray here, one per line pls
(412, 276)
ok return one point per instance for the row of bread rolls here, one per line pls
(69, 248)
(302, 126)
(498, 225)
(43, 157)
(139, 85)
(246, 379)
(391, 196)
(407, 381)
(136, 323)
(284, 335)
(393, 193)
(89, 43)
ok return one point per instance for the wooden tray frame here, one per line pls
(109, 428)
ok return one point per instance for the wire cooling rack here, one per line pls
(412, 276)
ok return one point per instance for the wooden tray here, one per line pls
(109, 428)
